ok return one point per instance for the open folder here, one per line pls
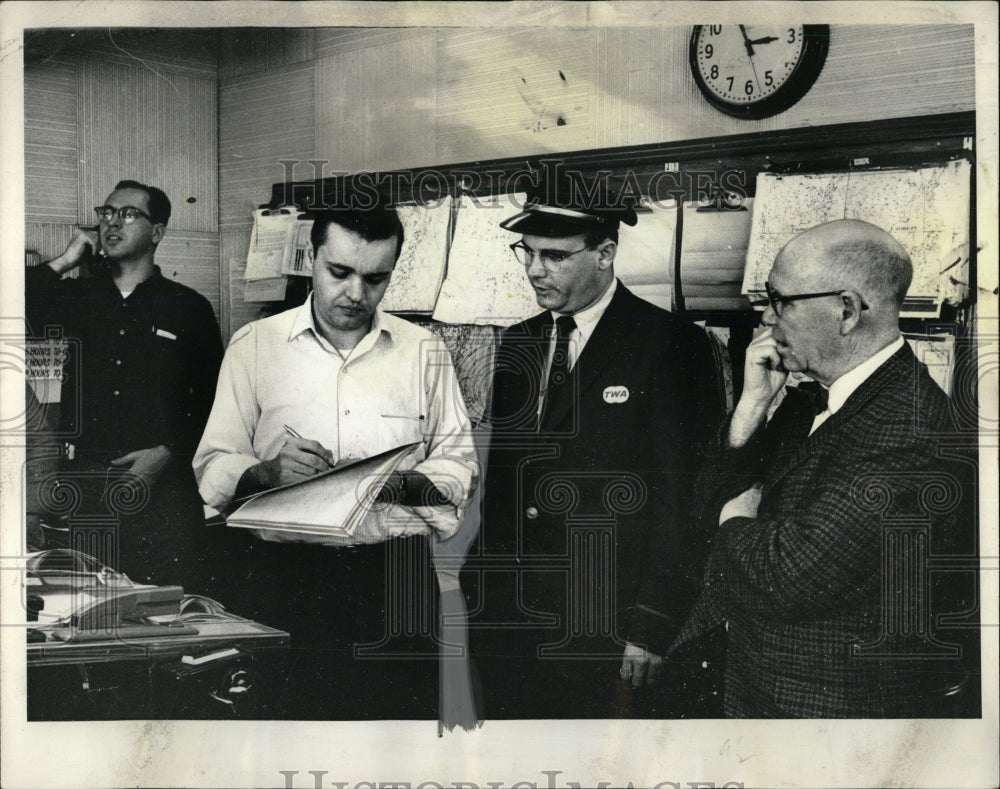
(332, 503)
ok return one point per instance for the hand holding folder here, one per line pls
(331, 503)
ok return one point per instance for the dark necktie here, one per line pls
(817, 395)
(559, 371)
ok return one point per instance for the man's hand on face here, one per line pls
(83, 244)
(298, 459)
(763, 377)
(146, 464)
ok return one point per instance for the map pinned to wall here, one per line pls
(418, 274)
(925, 209)
(485, 283)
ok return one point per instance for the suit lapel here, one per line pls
(609, 337)
(898, 367)
(520, 367)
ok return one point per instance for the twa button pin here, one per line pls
(616, 394)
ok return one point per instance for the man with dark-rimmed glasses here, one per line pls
(830, 512)
(144, 358)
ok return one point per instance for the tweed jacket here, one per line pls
(618, 451)
(828, 605)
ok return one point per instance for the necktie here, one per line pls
(817, 395)
(559, 370)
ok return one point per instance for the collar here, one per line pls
(303, 321)
(844, 386)
(588, 318)
(109, 280)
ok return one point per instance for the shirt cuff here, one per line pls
(218, 484)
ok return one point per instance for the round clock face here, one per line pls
(753, 71)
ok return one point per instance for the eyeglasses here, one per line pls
(127, 213)
(777, 301)
(551, 259)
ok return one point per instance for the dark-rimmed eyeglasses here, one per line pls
(127, 213)
(551, 259)
(776, 300)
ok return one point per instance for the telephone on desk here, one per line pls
(103, 647)
(85, 600)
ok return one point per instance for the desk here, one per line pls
(231, 668)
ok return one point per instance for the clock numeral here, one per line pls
(730, 82)
(715, 30)
(714, 72)
(748, 88)
(768, 79)
(791, 35)
(709, 51)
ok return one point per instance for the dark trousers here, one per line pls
(362, 622)
(514, 681)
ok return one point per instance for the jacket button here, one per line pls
(532, 513)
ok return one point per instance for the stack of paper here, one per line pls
(937, 351)
(713, 256)
(270, 242)
(645, 258)
(332, 504)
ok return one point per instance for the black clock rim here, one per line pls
(807, 71)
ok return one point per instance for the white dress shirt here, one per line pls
(844, 386)
(395, 387)
(586, 321)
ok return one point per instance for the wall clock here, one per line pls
(755, 71)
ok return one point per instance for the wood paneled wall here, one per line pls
(51, 144)
(265, 118)
(375, 99)
(109, 105)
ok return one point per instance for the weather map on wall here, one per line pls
(420, 269)
(926, 209)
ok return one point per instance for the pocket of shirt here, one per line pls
(404, 428)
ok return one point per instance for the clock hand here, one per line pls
(765, 40)
(750, 53)
(747, 42)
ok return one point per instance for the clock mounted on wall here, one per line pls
(755, 71)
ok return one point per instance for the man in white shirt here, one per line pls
(333, 380)
(819, 568)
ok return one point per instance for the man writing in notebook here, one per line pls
(600, 406)
(819, 565)
(331, 381)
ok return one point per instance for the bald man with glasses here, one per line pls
(144, 358)
(820, 567)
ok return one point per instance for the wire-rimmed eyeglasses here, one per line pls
(551, 259)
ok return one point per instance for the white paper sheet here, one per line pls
(419, 272)
(485, 283)
(925, 209)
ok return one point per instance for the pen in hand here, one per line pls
(317, 450)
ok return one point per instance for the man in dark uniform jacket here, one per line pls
(144, 360)
(600, 408)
